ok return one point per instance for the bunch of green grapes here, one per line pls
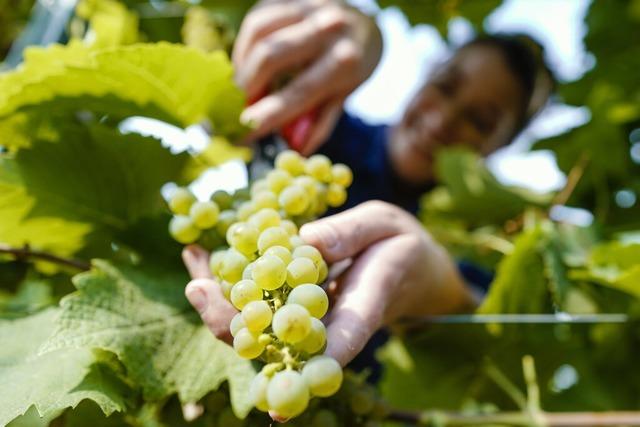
(271, 276)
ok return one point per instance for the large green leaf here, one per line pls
(141, 314)
(51, 381)
(170, 82)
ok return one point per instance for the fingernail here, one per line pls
(322, 233)
(198, 299)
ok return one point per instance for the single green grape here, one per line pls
(265, 218)
(294, 200)
(300, 271)
(308, 251)
(243, 237)
(241, 195)
(183, 230)
(225, 287)
(244, 292)
(257, 315)
(247, 273)
(281, 252)
(336, 195)
(247, 345)
(289, 226)
(245, 210)
(204, 214)
(269, 272)
(233, 265)
(215, 261)
(291, 162)
(287, 394)
(312, 297)
(265, 199)
(223, 199)
(258, 186)
(341, 175)
(310, 185)
(323, 374)
(181, 200)
(291, 323)
(278, 180)
(296, 241)
(323, 272)
(316, 339)
(273, 236)
(225, 220)
(319, 167)
(258, 392)
(236, 324)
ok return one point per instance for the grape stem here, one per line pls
(26, 252)
(548, 419)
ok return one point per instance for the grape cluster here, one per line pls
(271, 276)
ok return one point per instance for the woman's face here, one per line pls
(474, 100)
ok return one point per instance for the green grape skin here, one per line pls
(247, 273)
(241, 195)
(181, 200)
(244, 292)
(316, 339)
(323, 374)
(245, 210)
(312, 297)
(281, 252)
(269, 272)
(310, 185)
(300, 271)
(211, 240)
(323, 272)
(265, 200)
(225, 287)
(324, 418)
(258, 392)
(273, 236)
(233, 265)
(183, 230)
(258, 186)
(318, 166)
(243, 237)
(362, 402)
(228, 419)
(291, 162)
(265, 218)
(247, 345)
(204, 214)
(287, 394)
(289, 226)
(225, 220)
(341, 175)
(223, 199)
(215, 261)
(278, 180)
(296, 241)
(291, 323)
(308, 251)
(294, 200)
(336, 195)
(257, 315)
(236, 324)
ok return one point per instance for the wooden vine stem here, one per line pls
(546, 419)
(26, 252)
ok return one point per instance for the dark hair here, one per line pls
(525, 58)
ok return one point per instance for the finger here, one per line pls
(346, 234)
(360, 308)
(196, 260)
(287, 49)
(215, 311)
(262, 21)
(323, 80)
(323, 126)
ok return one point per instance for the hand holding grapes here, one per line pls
(398, 271)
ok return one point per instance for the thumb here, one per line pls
(348, 233)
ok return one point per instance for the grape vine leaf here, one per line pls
(142, 79)
(54, 380)
(140, 314)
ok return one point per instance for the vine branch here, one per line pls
(573, 178)
(26, 252)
